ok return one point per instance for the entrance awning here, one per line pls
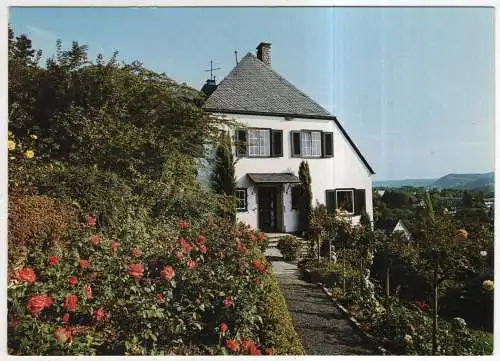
(259, 178)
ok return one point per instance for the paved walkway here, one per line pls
(321, 326)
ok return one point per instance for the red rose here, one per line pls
(62, 335)
(95, 240)
(160, 297)
(167, 273)
(71, 302)
(183, 224)
(65, 318)
(233, 345)
(136, 270)
(241, 247)
(268, 351)
(254, 350)
(99, 314)
(90, 221)
(186, 246)
(179, 255)
(72, 280)
(136, 252)
(201, 239)
(203, 248)
(84, 264)
(26, 275)
(246, 345)
(191, 264)
(261, 237)
(228, 301)
(36, 304)
(53, 260)
(114, 245)
(87, 291)
(223, 327)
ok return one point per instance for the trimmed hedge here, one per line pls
(278, 331)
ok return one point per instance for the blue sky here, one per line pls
(413, 87)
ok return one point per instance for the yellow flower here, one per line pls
(407, 339)
(488, 285)
(33, 136)
(12, 144)
(10, 134)
(29, 154)
(462, 234)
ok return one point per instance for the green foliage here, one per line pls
(305, 199)
(278, 331)
(289, 247)
(222, 179)
(396, 198)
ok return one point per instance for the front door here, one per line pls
(267, 209)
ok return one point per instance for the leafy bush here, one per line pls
(176, 292)
(278, 331)
(289, 247)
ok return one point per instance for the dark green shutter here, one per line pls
(331, 201)
(241, 142)
(327, 144)
(276, 143)
(359, 201)
(295, 142)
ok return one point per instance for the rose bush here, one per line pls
(105, 299)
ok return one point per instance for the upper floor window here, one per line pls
(259, 142)
(254, 142)
(312, 143)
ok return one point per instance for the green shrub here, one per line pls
(278, 331)
(140, 310)
(289, 247)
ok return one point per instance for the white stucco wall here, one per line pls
(344, 170)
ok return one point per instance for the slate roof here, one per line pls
(253, 86)
(273, 178)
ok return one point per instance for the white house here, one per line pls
(283, 127)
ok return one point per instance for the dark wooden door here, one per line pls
(267, 209)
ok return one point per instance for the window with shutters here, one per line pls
(312, 144)
(241, 199)
(256, 142)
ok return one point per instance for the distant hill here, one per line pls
(483, 181)
(404, 183)
(466, 181)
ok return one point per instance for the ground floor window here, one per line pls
(345, 200)
(241, 199)
(352, 201)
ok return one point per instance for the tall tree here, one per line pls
(222, 178)
(305, 196)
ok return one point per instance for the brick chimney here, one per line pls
(264, 53)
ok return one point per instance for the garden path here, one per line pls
(324, 330)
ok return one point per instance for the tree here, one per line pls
(305, 196)
(222, 180)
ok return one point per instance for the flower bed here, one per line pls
(404, 329)
(203, 291)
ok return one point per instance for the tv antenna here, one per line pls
(211, 70)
